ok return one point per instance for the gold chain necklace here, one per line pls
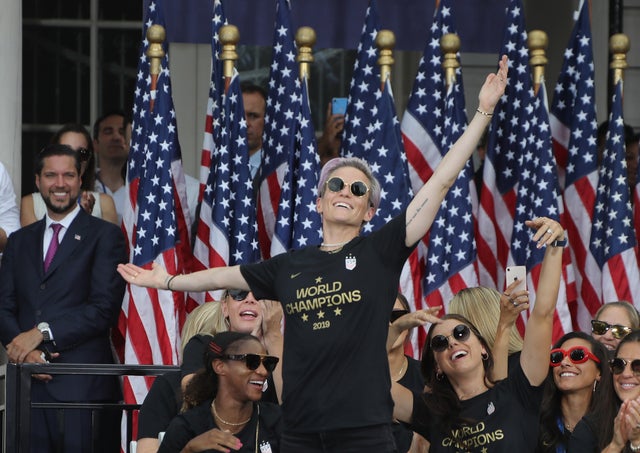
(215, 414)
(404, 365)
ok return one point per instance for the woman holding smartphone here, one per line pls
(465, 409)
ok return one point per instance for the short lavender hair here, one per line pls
(358, 164)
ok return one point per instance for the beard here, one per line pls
(59, 209)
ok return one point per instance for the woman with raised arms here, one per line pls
(337, 297)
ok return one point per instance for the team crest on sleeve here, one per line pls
(350, 262)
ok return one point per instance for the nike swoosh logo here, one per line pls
(295, 275)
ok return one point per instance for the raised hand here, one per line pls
(493, 88)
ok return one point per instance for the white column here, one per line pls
(11, 89)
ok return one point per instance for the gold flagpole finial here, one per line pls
(619, 46)
(450, 45)
(538, 43)
(305, 40)
(385, 40)
(155, 52)
(229, 37)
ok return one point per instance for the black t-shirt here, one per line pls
(507, 419)
(164, 400)
(336, 305)
(161, 404)
(199, 420)
(414, 381)
(584, 439)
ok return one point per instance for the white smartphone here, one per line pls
(516, 273)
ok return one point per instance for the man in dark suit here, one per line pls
(59, 297)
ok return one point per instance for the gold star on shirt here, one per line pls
(319, 280)
(337, 311)
(320, 315)
(305, 317)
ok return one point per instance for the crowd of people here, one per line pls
(336, 378)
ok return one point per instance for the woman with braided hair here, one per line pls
(224, 399)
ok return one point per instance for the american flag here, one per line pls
(612, 239)
(574, 130)
(280, 125)
(433, 121)
(205, 255)
(384, 152)
(364, 84)
(298, 223)
(423, 122)
(154, 222)
(228, 196)
(216, 89)
(520, 179)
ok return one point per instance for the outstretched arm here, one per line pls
(206, 280)
(424, 206)
(537, 337)
(511, 305)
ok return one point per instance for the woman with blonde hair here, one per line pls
(165, 398)
(494, 315)
(612, 322)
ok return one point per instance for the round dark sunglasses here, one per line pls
(577, 354)
(237, 294)
(395, 314)
(253, 361)
(617, 331)
(460, 332)
(618, 365)
(358, 188)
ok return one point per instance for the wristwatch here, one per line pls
(559, 243)
(45, 330)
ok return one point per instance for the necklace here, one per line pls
(215, 414)
(337, 244)
(404, 365)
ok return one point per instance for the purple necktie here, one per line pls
(53, 245)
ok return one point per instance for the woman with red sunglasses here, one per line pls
(465, 410)
(337, 297)
(579, 382)
(224, 399)
(605, 432)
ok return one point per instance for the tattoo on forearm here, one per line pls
(417, 211)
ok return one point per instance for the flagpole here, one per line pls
(385, 40)
(450, 45)
(229, 37)
(155, 35)
(538, 42)
(618, 46)
(305, 40)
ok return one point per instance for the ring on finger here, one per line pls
(549, 231)
(513, 301)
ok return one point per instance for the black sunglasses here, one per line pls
(358, 188)
(577, 354)
(237, 294)
(460, 332)
(395, 314)
(617, 331)
(253, 361)
(618, 365)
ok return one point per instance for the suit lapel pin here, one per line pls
(77, 237)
